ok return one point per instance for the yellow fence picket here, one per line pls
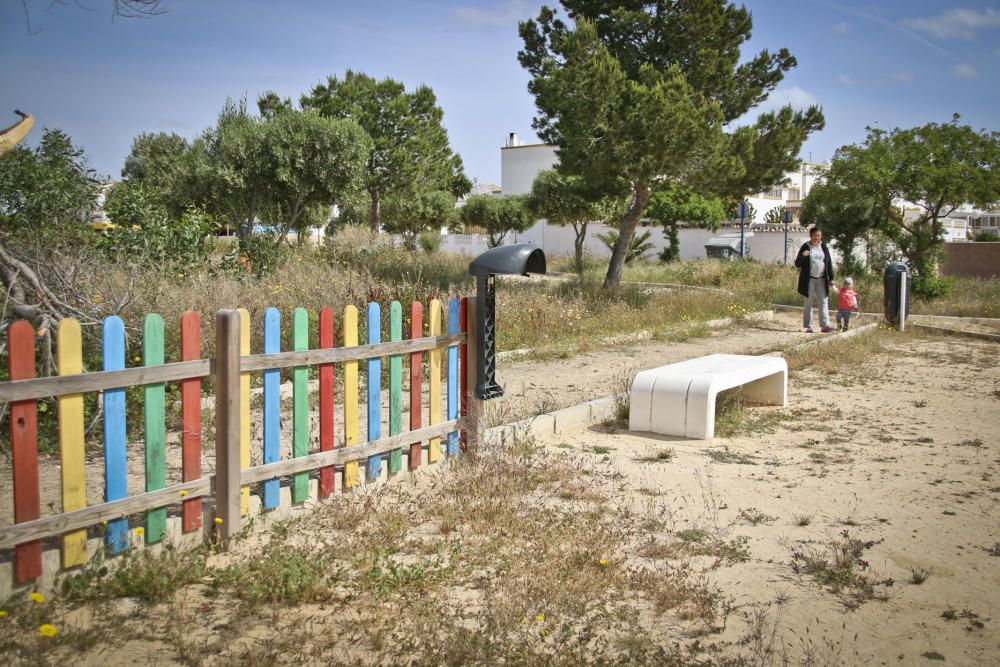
(350, 395)
(71, 440)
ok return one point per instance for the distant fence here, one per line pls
(978, 259)
(227, 491)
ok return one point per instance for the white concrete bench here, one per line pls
(679, 399)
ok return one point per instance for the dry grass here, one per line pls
(512, 554)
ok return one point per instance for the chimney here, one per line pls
(512, 140)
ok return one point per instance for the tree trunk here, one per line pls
(581, 237)
(376, 214)
(640, 198)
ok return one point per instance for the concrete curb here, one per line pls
(961, 333)
(913, 317)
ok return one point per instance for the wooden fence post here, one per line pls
(473, 407)
(227, 422)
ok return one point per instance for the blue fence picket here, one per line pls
(374, 467)
(115, 457)
(272, 405)
(453, 324)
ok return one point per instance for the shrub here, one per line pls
(430, 242)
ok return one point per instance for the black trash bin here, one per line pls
(896, 298)
(518, 259)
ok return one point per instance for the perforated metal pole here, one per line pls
(486, 335)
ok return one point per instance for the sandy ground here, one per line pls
(903, 451)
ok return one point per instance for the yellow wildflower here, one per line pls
(183, 492)
(218, 520)
(37, 597)
(603, 562)
(3, 614)
(139, 531)
(47, 629)
(540, 618)
(137, 358)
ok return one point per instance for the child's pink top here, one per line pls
(848, 299)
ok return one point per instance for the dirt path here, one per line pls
(902, 452)
(533, 387)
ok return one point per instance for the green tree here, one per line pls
(639, 93)
(844, 216)
(410, 149)
(162, 164)
(638, 247)
(410, 216)
(565, 200)
(670, 205)
(45, 189)
(144, 228)
(283, 170)
(497, 215)
(937, 167)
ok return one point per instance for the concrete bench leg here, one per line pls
(771, 390)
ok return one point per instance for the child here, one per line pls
(846, 302)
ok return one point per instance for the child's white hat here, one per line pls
(848, 281)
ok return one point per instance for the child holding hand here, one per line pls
(846, 302)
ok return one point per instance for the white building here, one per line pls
(520, 163)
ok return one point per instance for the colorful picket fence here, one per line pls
(233, 368)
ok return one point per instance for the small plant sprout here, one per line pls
(802, 519)
(919, 575)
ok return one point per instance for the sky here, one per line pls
(103, 80)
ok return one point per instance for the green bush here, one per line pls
(430, 242)
(143, 228)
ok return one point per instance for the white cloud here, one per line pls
(956, 23)
(963, 71)
(903, 77)
(846, 79)
(794, 96)
(841, 28)
(506, 13)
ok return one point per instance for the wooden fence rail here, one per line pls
(228, 489)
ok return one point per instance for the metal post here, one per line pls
(743, 244)
(787, 216)
(902, 300)
(227, 422)
(472, 406)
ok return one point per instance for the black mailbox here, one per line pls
(519, 259)
(896, 297)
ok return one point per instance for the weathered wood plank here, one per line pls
(191, 418)
(463, 354)
(227, 422)
(25, 390)
(272, 406)
(58, 524)
(395, 385)
(327, 476)
(300, 403)
(350, 393)
(244, 408)
(154, 425)
(453, 316)
(24, 448)
(71, 440)
(115, 435)
(434, 389)
(345, 455)
(416, 382)
(374, 377)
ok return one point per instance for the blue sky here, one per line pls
(894, 63)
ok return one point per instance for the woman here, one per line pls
(815, 277)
